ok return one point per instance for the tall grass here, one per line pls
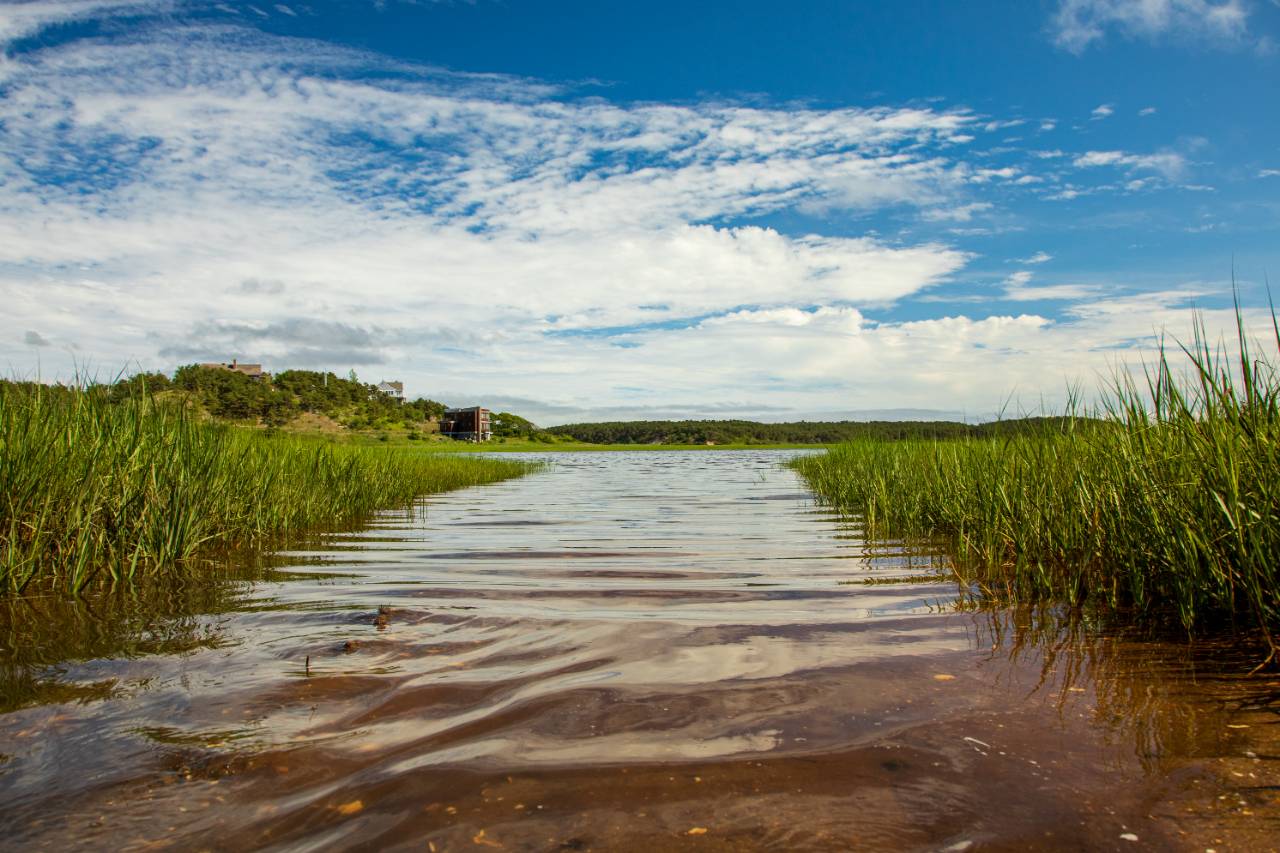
(91, 488)
(1165, 499)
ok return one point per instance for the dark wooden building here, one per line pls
(467, 424)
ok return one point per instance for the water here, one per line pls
(626, 651)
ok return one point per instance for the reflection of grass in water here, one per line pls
(38, 633)
(902, 579)
(211, 739)
(1146, 684)
(99, 488)
(1169, 505)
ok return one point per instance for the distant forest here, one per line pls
(797, 432)
(280, 399)
(285, 398)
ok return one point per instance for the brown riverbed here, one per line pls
(625, 652)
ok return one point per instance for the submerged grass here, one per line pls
(94, 489)
(1164, 500)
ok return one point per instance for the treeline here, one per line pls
(507, 425)
(798, 432)
(231, 395)
(284, 396)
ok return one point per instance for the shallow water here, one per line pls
(625, 651)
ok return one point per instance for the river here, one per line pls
(624, 651)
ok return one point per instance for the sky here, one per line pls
(593, 211)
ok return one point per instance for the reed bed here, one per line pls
(1163, 500)
(95, 489)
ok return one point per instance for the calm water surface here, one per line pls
(639, 651)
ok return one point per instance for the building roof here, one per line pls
(237, 366)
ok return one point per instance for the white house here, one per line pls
(392, 389)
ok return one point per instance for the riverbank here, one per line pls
(101, 489)
(1167, 505)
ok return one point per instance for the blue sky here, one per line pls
(595, 210)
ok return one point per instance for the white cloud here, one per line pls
(248, 206)
(1018, 287)
(1102, 111)
(994, 125)
(1037, 258)
(960, 213)
(177, 193)
(1050, 292)
(1269, 173)
(840, 357)
(1147, 111)
(983, 176)
(1167, 163)
(1077, 24)
(21, 19)
(1067, 194)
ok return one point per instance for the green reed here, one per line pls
(1164, 499)
(93, 489)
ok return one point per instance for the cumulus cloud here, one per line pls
(1077, 24)
(1102, 111)
(175, 192)
(195, 192)
(1037, 258)
(792, 356)
(300, 342)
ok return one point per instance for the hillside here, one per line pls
(313, 401)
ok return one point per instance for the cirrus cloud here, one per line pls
(1078, 24)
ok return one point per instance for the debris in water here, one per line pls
(350, 808)
(1128, 836)
(349, 646)
(944, 677)
(697, 830)
(479, 838)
